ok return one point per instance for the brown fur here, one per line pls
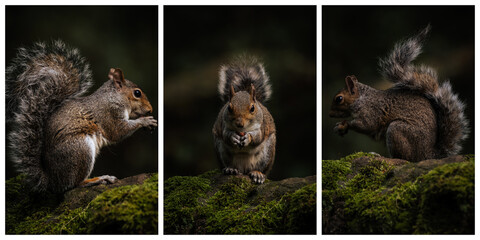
(57, 131)
(417, 118)
(244, 132)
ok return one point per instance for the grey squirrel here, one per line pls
(244, 132)
(417, 118)
(57, 130)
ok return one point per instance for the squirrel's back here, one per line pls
(397, 67)
(38, 80)
(241, 73)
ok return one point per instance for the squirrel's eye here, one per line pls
(252, 109)
(338, 99)
(137, 93)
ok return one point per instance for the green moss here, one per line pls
(42, 222)
(293, 213)
(335, 171)
(227, 211)
(261, 219)
(469, 157)
(382, 210)
(182, 201)
(128, 209)
(440, 201)
(232, 193)
(228, 208)
(447, 191)
(300, 208)
(357, 155)
(370, 176)
(23, 205)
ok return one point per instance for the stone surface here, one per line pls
(366, 193)
(129, 205)
(213, 203)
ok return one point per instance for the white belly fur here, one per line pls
(94, 143)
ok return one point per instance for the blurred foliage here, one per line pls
(124, 37)
(197, 40)
(354, 38)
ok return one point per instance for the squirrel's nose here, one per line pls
(239, 124)
(149, 109)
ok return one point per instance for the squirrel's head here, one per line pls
(242, 109)
(344, 98)
(138, 101)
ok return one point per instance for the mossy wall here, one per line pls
(364, 193)
(216, 204)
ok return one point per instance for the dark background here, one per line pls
(197, 40)
(123, 37)
(354, 38)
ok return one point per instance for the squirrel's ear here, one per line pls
(232, 91)
(252, 92)
(116, 75)
(351, 83)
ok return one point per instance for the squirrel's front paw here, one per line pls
(241, 139)
(245, 139)
(257, 177)
(341, 128)
(148, 122)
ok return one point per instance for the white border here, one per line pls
(160, 115)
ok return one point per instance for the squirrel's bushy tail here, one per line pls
(38, 80)
(241, 73)
(397, 67)
(451, 121)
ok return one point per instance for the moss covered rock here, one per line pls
(216, 204)
(127, 206)
(366, 193)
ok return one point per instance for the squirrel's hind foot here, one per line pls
(105, 179)
(230, 171)
(257, 177)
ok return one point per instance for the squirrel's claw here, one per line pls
(241, 140)
(105, 179)
(246, 139)
(341, 128)
(257, 177)
(230, 171)
(237, 140)
(148, 122)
